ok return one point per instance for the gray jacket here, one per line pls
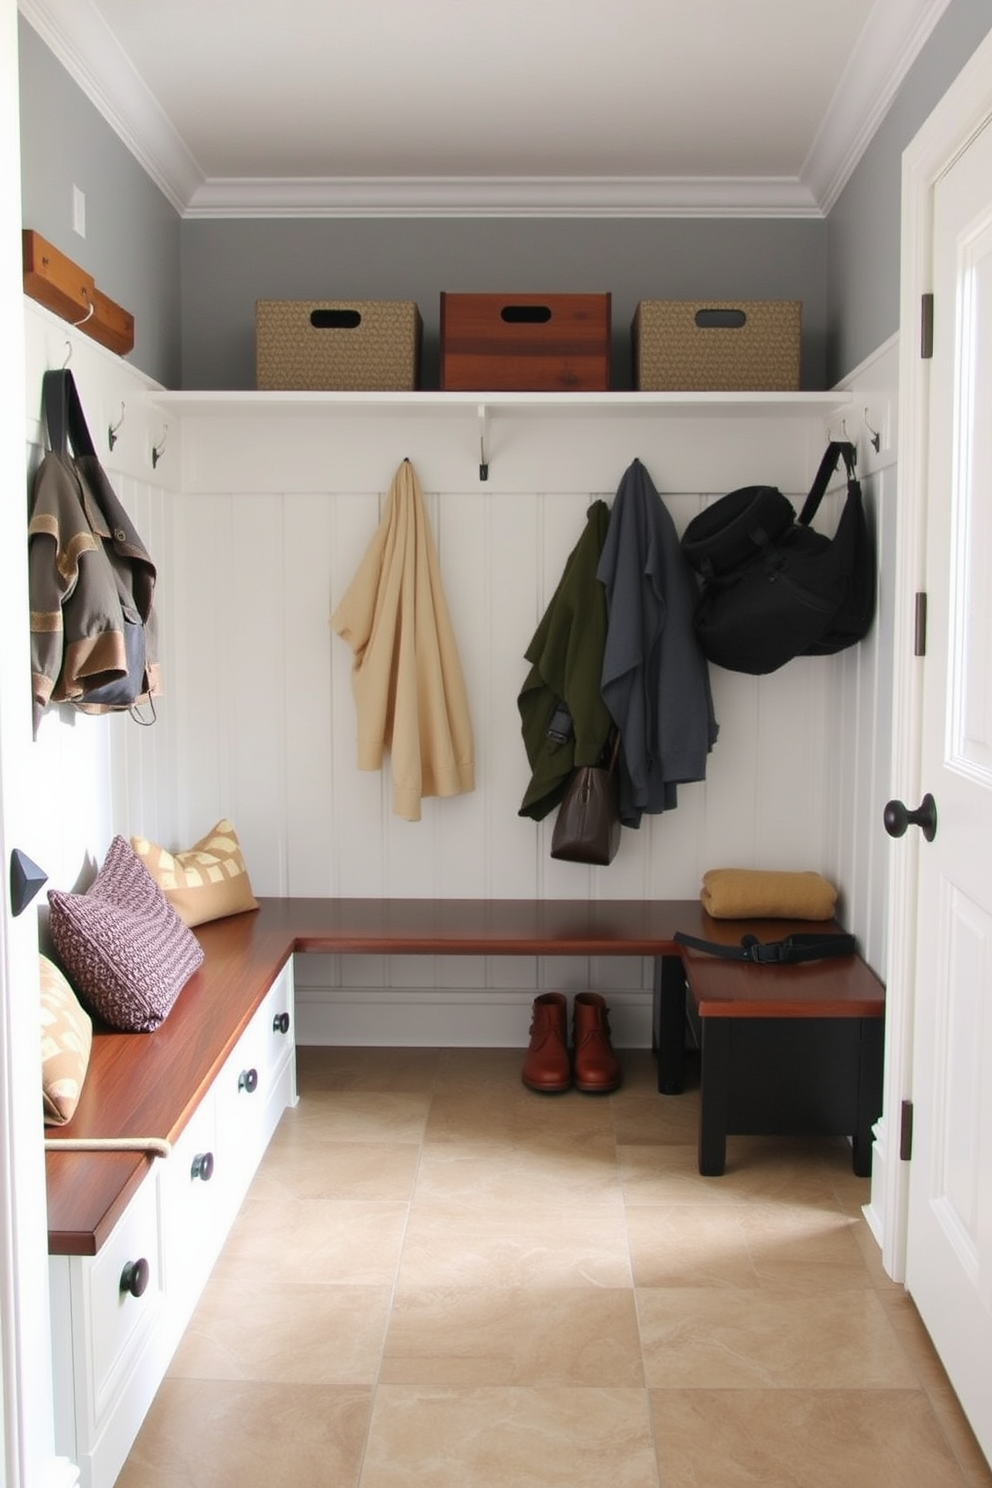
(655, 678)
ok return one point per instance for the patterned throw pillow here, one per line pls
(66, 1038)
(127, 952)
(206, 882)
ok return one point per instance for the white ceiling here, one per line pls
(543, 107)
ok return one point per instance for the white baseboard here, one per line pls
(874, 1210)
(473, 1018)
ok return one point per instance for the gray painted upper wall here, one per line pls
(191, 285)
(227, 265)
(132, 242)
(863, 229)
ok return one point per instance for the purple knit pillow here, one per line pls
(122, 945)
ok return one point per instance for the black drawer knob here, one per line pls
(203, 1166)
(135, 1277)
(248, 1080)
(280, 1023)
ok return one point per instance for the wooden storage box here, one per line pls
(61, 285)
(717, 345)
(345, 345)
(525, 343)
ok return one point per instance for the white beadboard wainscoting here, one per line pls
(258, 510)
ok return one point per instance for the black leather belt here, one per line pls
(774, 952)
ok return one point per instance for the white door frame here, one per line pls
(955, 121)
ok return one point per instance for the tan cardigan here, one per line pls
(406, 676)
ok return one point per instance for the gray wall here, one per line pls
(227, 265)
(132, 242)
(191, 285)
(863, 229)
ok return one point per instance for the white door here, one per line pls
(949, 1238)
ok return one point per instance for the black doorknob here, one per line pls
(280, 1023)
(897, 818)
(248, 1080)
(135, 1277)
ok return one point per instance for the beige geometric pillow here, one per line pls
(206, 882)
(66, 1038)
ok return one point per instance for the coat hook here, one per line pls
(91, 311)
(483, 457)
(158, 448)
(112, 429)
(876, 438)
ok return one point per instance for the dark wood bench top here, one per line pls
(836, 987)
(150, 1084)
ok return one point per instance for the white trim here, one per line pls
(76, 32)
(954, 122)
(502, 196)
(474, 1018)
(885, 52)
(80, 38)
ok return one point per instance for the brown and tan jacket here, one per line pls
(85, 561)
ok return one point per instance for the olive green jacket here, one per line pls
(566, 656)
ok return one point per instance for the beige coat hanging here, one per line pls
(406, 675)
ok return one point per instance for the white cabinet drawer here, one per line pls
(256, 1083)
(196, 1210)
(122, 1291)
(107, 1312)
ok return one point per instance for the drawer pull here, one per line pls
(203, 1166)
(135, 1276)
(248, 1080)
(280, 1023)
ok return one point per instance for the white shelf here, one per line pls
(440, 405)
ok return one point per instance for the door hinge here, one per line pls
(906, 1132)
(920, 624)
(926, 326)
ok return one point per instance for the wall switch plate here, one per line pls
(78, 211)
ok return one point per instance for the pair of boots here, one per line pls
(593, 1066)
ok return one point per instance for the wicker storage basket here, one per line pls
(348, 345)
(717, 345)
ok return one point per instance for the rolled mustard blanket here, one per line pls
(761, 893)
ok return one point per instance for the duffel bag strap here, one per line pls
(774, 952)
(835, 451)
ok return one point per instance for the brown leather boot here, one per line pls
(546, 1067)
(597, 1069)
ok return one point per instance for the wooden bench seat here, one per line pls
(149, 1085)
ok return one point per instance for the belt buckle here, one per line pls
(762, 955)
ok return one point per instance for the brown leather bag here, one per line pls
(587, 828)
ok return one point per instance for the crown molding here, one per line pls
(502, 196)
(77, 34)
(886, 50)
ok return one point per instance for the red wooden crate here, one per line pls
(525, 343)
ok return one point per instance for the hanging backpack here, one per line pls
(772, 586)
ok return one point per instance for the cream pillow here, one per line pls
(66, 1039)
(206, 882)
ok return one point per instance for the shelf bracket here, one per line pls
(483, 442)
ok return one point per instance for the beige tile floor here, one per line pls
(441, 1280)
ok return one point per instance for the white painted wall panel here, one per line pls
(258, 721)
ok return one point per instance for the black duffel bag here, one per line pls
(773, 587)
